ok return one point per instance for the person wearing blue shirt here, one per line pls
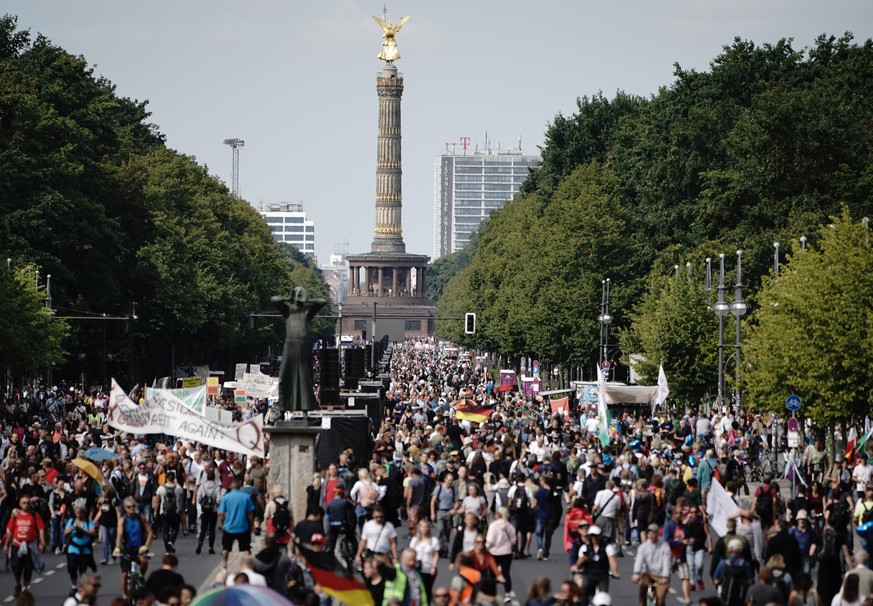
(236, 512)
(80, 532)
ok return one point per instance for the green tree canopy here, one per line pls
(674, 325)
(812, 334)
(93, 197)
(30, 339)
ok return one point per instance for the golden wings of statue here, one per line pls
(389, 52)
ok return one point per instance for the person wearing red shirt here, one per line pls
(25, 533)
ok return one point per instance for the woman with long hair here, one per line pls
(539, 592)
(484, 562)
(500, 542)
(427, 555)
(850, 594)
(110, 507)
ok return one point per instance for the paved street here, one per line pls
(53, 586)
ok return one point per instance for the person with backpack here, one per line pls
(443, 506)
(733, 575)
(168, 503)
(278, 518)
(765, 503)
(133, 538)
(520, 515)
(764, 592)
(831, 555)
(208, 495)
(805, 535)
(838, 507)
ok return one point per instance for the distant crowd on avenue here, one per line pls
(520, 482)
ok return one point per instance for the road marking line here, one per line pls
(9, 599)
(38, 580)
(49, 573)
(59, 566)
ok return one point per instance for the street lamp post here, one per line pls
(721, 309)
(738, 309)
(605, 320)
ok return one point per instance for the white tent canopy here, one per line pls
(631, 394)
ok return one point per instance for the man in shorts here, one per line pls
(133, 537)
(236, 514)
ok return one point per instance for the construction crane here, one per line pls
(235, 144)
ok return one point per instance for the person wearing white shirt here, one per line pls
(607, 504)
(378, 535)
(592, 424)
(245, 567)
(538, 449)
(861, 475)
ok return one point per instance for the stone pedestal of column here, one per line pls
(292, 461)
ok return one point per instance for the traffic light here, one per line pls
(470, 323)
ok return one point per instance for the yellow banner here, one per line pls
(191, 382)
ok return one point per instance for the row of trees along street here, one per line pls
(770, 144)
(93, 196)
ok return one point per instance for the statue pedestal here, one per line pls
(292, 461)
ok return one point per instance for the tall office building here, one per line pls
(467, 188)
(289, 224)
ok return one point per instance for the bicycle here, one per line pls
(348, 546)
(136, 576)
(651, 596)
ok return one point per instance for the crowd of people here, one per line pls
(480, 495)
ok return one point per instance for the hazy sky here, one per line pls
(296, 80)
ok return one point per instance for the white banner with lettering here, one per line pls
(720, 506)
(257, 385)
(193, 397)
(162, 412)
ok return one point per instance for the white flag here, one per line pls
(720, 506)
(663, 388)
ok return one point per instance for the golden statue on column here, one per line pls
(389, 53)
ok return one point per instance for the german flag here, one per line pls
(334, 579)
(471, 410)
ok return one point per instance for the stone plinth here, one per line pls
(292, 461)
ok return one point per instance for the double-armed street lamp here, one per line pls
(721, 309)
(605, 319)
(738, 309)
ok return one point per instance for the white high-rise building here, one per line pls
(467, 188)
(289, 224)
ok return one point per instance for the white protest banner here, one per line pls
(257, 385)
(193, 397)
(239, 371)
(720, 506)
(163, 412)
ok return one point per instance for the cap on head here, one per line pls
(654, 528)
(802, 514)
(594, 530)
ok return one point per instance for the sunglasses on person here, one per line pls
(441, 596)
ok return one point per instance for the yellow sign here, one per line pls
(191, 382)
(212, 381)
